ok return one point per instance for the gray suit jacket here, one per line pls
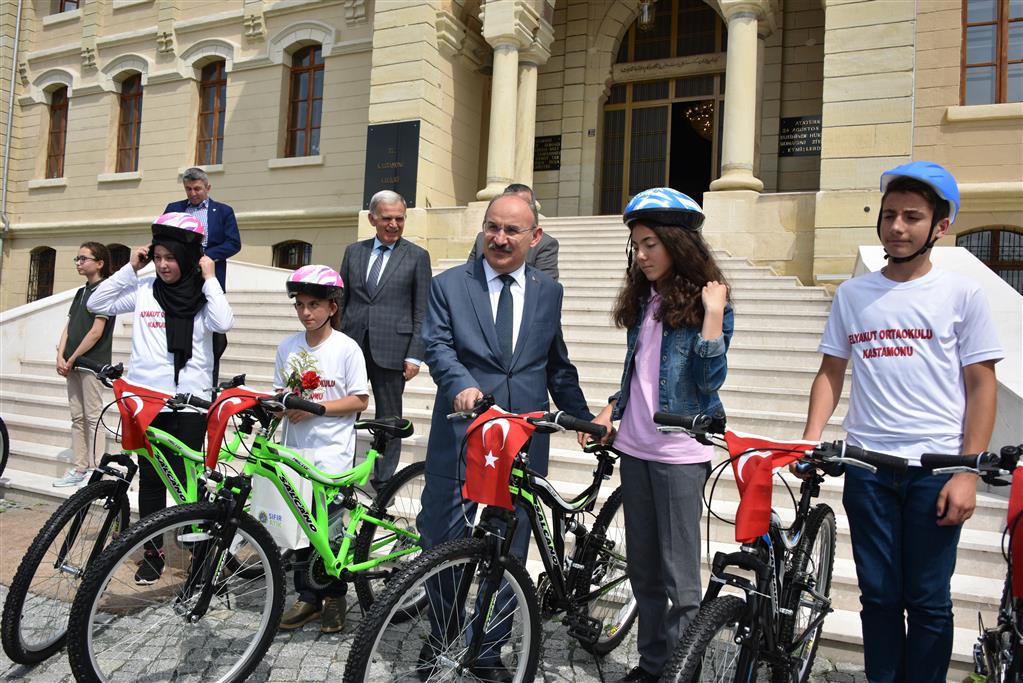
(394, 314)
(543, 257)
(462, 351)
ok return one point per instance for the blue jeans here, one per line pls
(904, 563)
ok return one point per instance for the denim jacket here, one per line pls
(692, 369)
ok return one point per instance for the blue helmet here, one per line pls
(929, 173)
(664, 206)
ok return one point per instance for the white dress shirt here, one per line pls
(518, 292)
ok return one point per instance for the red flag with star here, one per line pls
(138, 406)
(229, 403)
(495, 438)
(754, 460)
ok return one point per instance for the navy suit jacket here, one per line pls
(222, 238)
(462, 351)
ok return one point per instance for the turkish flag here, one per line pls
(138, 406)
(228, 404)
(494, 439)
(754, 460)
(1016, 531)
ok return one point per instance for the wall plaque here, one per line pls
(392, 160)
(799, 136)
(547, 153)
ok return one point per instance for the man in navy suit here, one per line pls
(221, 240)
(473, 348)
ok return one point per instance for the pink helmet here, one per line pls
(320, 282)
(179, 226)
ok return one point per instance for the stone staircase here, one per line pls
(772, 362)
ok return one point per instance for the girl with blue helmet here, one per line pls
(923, 349)
(674, 305)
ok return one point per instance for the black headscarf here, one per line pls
(182, 300)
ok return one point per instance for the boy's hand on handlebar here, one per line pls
(957, 499)
(466, 399)
(208, 267)
(604, 419)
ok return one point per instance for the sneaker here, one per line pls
(150, 568)
(73, 477)
(638, 675)
(300, 614)
(332, 619)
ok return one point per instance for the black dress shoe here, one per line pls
(492, 672)
(638, 675)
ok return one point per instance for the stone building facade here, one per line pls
(779, 116)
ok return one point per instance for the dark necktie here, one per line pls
(505, 317)
(373, 279)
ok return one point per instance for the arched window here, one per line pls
(1000, 248)
(57, 134)
(292, 254)
(119, 255)
(129, 124)
(305, 102)
(209, 148)
(40, 273)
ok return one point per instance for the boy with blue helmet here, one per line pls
(923, 350)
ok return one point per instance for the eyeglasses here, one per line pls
(510, 230)
(83, 259)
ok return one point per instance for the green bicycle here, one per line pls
(35, 614)
(218, 606)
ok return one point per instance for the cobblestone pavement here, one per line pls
(308, 655)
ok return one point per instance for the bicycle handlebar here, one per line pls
(981, 462)
(478, 408)
(294, 402)
(570, 423)
(700, 424)
(104, 372)
(180, 400)
(842, 452)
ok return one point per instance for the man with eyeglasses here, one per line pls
(387, 279)
(493, 327)
(544, 256)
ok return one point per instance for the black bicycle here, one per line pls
(775, 626)
(482, 599)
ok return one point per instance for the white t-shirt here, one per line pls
(328, 441)
(909, 342)
(151, 364)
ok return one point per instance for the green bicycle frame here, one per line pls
(186, 491)
(271, 461)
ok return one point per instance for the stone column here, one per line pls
(740, 99)
(525, 128)
(501, 144)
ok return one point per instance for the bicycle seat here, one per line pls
(395, 427)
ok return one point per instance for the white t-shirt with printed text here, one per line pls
(908, 343)
(329, 441)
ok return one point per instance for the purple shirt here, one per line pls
(637, 433)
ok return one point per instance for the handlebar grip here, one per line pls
(293, 402)
(577, 425)
(875, 458)
(692, 422)
(983, 461)
(195, 401)
(90, 365)
(232, 383)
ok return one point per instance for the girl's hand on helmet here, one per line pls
(139, 257)
(208, 267)
(714, 296)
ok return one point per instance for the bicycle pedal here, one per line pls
(583, 628)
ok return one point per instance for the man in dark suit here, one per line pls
(220, 242)
(387, 281)
(544, 256)
(494, 327)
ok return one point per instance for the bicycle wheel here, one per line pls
(120, 630)
(386, 648)
(35, 615)
(615, 606)
(5, 446)
(812, 562)
(399, 503)
(707, 650)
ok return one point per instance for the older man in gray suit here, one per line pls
(387, 281)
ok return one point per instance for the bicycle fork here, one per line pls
(487, 601)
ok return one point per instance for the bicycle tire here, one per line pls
(385, 648)
(119, 629)
(398, 501)
(617, 612)
(35, 614)
(707, 650)
(815, 555)
(5, 446)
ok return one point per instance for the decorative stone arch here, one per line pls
(122, 67)
(299, 35)
(47, 82)
(205, 51)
